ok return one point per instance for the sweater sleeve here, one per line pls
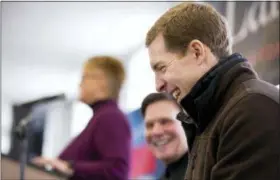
(249, 145)
(112, 139)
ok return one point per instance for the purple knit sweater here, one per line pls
(102, 150)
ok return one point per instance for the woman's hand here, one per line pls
(62, 166)
(57, 164)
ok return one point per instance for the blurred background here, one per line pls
(44, 45)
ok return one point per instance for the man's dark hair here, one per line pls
(156, 97)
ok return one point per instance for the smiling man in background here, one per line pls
(235, 134)
(165, 135)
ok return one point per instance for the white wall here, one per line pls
(141, 79)
(57, 128)
(6, 124)
(81, 114)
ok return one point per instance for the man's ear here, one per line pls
(197, 50)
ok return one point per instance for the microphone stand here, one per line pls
(22, 134)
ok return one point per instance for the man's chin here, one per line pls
(167, 158)
(163, 155)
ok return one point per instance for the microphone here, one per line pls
(21, 127)
(21, 132)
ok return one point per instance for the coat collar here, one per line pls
(208, 94)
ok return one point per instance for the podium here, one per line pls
(10, 171)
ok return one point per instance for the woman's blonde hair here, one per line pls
(113, 69)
